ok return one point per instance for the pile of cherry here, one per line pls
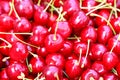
(59, 40)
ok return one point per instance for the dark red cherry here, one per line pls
(3, 75)
(22, 25)
(67, 48)
(15, 69)
(41, 51)
(99, 67)
(52, 72)
(104, 13)
(70, 6)
(63, 28)
(110, 76)
(90, 74)
(37, 64)
(116, 24)
(54, 45)
(6, 22)
(88, 33)
(110, 60)
(18, 52)
(104, 33)
(78, 46)
(72, 68)
(78, 20)
(112, 41)
(24, 8)
(55, 59)
(97, 51)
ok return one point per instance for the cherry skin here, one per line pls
(99, 67)
(111, 42)
(110, 76)
(118, 69)
(97, 51)
(70, 6)
(37, 64)
(88, 33)
(110, 60)
(90, 74)
(24, 8)
(103, 13)
(3, 75)
(78, 46)
(52, 72)
(15, 69)
(78, 20)
(63, 28)
(55, 59)
(72, 68)
(18, 52)
(67, 48)
(104, 33)
(22, 25)
(54, 45)
(115, 23)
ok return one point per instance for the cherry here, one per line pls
(3, 75)
(88, 33)
(104, 13)
(118, 69)
(52, 44)
(55, 59)
(99, 67)
(24, 8)
(78, 20)
(70, 6)
(52, 72)
(37, 64)
(110, 76)
(63, 28)
(90, 74)
(22, 25)
(72, 68)
(18, 52)
(104, 34)
(67, 48)
(97, 51)
(110, 60)
(15, 69)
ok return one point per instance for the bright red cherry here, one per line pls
(41, 51)
(55, 59)
(3, 75)
(52, 19)
(5, 7)
(18, 52)
(110, 76)
(54, 45)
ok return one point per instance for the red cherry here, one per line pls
(118, 69)
(90, 74)
(110, 60)
(5, 7)
(110, 76)
(52, 19)
(88, 33)
(24, 8)
(97, 51)
(3, 75)
(15, 69)
(37, 64)
(52, 72)
(104, 33)
(18, 52)
(72, 68)
(41, 51)
(63, 28)
(99, 67)
(54, 45)
(55, 59)
(22, 25)
(78, 20)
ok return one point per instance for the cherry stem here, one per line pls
(110, 16)
(39, 1)
(24, 42)
(16, 33)
(48, 5)
(11, 9)
(114, 71)
(91, 78)
(65, 74)
(115, 8)
(9, 45)
(115, 43)
(34, 55)
(38, 75)
(78, 39)
(88, 45)
(80, 3)
(80, 54)
(5, 59)
(30, 68)
(93, 14)
(15, 10)
(56, 75)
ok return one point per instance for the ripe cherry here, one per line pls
(41, 51)
(3, 75)
(110, 76)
